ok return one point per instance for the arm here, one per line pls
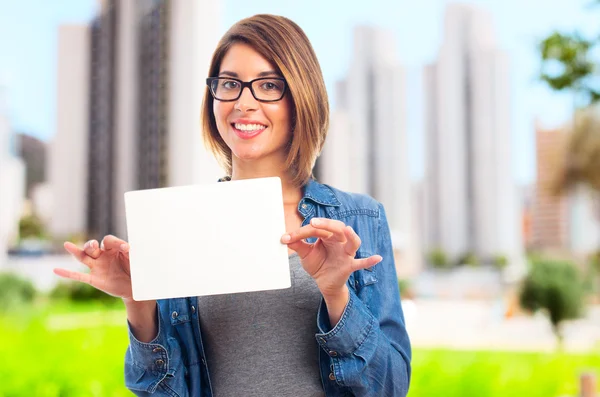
(369, 347)
(153, 362)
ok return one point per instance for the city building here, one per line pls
(567, 221)
(68, 155)
(366, 148)
(12, 183)
(550, 211)
(471, 198)
(144, 65)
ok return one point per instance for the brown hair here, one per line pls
(283, 43)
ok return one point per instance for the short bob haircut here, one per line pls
(283, 43)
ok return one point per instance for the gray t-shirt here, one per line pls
(263, 343)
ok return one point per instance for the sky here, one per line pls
(28, 45)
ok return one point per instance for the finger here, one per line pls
(331, 225)
(110, 242)
(77, 276)
(366, 263)
(92, 249)
(302, 248)
(353, 243)
(303, 233)
(77, 253)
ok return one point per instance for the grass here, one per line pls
(71, 350)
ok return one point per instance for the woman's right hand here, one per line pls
(108, 263)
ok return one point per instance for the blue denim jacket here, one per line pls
(367, 353)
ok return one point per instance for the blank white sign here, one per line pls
(207, 239)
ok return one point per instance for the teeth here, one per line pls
(249, 127)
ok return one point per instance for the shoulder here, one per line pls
(349, 202)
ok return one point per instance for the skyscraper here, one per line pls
(470, 195)
(68, 153)
(366, 150)
(147, 61)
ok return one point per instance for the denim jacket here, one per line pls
(367, 353)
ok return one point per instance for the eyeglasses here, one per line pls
(264, 89)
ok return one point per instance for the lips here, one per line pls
(248, 130)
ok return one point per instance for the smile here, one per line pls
(248, 131)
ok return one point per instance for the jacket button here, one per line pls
(331, 376)
(157, 350)
(159, 362)
(174, 315)
(304, 206)
(193, 309)
(333, 353)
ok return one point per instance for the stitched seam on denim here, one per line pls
(337, 329)
(359, 211)
(168, 390)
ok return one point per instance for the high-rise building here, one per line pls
(147, 61)
(69, 148)
(471, 199)
(366, 149)
(550, 212)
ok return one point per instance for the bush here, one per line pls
(556, 288)
(79, 292)
(500, 261)
(469, 259)
(15, 291)
(438, 259)
(30, 226)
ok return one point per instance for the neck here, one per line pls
(264, 169)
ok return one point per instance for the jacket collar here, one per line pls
(320, 194)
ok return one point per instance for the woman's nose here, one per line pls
(246, 101)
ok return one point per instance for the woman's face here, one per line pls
(253, 130)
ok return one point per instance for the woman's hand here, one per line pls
(108, 263)
(330, 260)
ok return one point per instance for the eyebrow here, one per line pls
(267, 73)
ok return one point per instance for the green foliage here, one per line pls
(469, 259)
(58, 351)
(49, 356)
(80, 292)
(30, 226)
(497, 374)
(15, 291)
(567, 64)
(406, 290)
(438, 259)
(555, 287)
(500, 261)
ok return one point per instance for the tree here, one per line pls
(554, 287)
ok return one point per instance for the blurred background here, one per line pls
(476, 124)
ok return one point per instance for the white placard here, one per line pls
(207, 239)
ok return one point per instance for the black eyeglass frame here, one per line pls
(243, 85)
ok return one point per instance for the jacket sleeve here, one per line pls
(156, 368)
(369, 348)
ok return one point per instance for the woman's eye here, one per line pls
(229, 84)
(269, 86)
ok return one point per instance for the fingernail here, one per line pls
(86, 245)
(123, 247)
(316, 222)
(286, 238)
(380, 258)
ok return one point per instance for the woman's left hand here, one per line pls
(330, 260)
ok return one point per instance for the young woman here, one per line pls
(339, 330)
